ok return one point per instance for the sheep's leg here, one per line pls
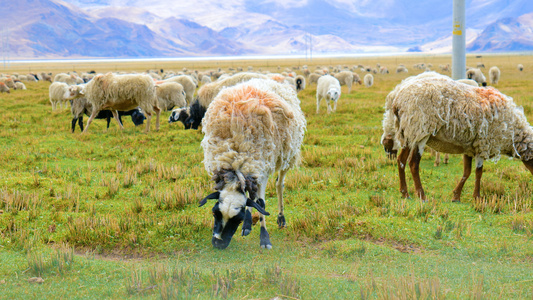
(437, 158)
(529, 165)
(446, 158)
(479, 172)
(318, 103)
(329, 105)
(335, 106)
(80, 123)
(148, 118)
(402, 160)
(467, 169)
(247, 223)
(115, 115)
(414, 166)
(74, 120)
(264, 237)
(91, 118)
(157, 114)
(279, 190)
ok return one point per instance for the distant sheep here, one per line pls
(252, 130)
(58, 93)
(46, 77)
(477, 75)
(369, 80)
(313, 78)
(66, 78)
(121, 92)
(188, 83)
(520, 67)
(401, 69)
(20, 86)
(451, 117)
(80, 106)
(383, 70)
(328, 88)
(494, 75)
(345, 78)
(206, 79)
(170, 95)
(4, 88)
(300, 83)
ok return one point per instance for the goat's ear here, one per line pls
(214, 195)
(257, 205)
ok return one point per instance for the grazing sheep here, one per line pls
(480, 65)
(207, 93)
(4, 88)
(356, 78)
(369, 80)
(170, 95)
(20, 86)
(179, 114)
(345, 78)
(8, 82)
(328, 87)
(520, 67)
(477, 75)
(80, 106)
(456, 118)
(300, 83)
(206, 79)
(313, 78)
(445, 68)
(121, 92)
(383, 70)
(494, 75)
(66, 78)
(46, 77)
(188, 83)
(401, 69)
(58, 93)
(251, 130)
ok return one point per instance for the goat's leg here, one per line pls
(264, 237)
(479, 172)
(402, 160)
(279, 190)
(467, 169)
(91, 118)
(115, 115)
(414, 166)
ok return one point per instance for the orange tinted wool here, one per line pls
(488, 96)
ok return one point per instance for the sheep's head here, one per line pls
(230, 209)
(388, 144)
(180, 114)
(137, 117)
(75, 91)
(333, 94)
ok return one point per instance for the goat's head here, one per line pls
(230, 209)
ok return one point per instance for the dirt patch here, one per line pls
(400, 246)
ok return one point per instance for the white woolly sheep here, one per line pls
(4, 88)
(121, 92)
(66, 78)
(369, 80)
(328, 88)
(20, 86)
(477, 75)
(252, 130)
(456, 118)
(8, 82)
(520, 67)
(345, 78)
(206, 79)
(170, 95)
(300, 83)
(494, 75)
(189, 86)
(383, 70)
(58, 93)
(401, 69)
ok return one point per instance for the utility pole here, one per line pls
(459, 40)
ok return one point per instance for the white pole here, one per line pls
(459, 40)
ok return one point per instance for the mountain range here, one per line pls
(141, 29)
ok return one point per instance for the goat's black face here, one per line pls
(224, 229)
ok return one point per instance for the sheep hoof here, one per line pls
(264, 239)
(281, 221)
(456, 200)
(247, 224)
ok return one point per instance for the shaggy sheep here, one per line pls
(383, 70)
(456, 118)
(328, 87)
(206, 79)
(80, 106)
(207, 93)
(494, 75)
(369, 80)
(8, 82)
(477, 75)
(300, 83)
(20, 86)
(189, 86)
(66, 78)
(313, 78)
(170, 95)
(251, 130)
(58, 93)
(4, 88)
(401, 69)
(345, 78)
(445, 68)
(520, 67)
(121, 92)
(46, 77)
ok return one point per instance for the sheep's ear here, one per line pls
(257, 205)
(214, 195)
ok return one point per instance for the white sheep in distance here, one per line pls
(401, 69)
(520, 67)
(58, 93)
(66, 78)
(188, 83)
(369, 80)
(4, 88)
(494, 75)
(252, 130)
(328, 88)
(345, 78)
(121, 92)
(170, 94)
(20, 86)
(300, 83)
(313, 78)
(477, 75)
(452, 117)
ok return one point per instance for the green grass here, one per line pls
(114, 214)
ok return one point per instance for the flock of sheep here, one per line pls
(253, 125)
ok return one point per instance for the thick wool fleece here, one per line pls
(254, 128)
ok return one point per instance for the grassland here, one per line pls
(113, 214)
